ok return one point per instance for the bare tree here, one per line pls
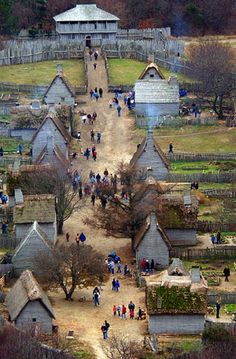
(123, 348)
(71, 266)
(50, 180)
(213, 65)
(15, 344)
(124, 215)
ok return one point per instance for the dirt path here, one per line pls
(116, 145)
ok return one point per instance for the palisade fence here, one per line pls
(206, 227)
(204, 253)
(192, 157)
(220, 193)
(225, 177)
(222, 297)
(6, 161)
(8, 241)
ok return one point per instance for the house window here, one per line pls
(73, 36)
(151, 75)
(34, 320)
(62, 98)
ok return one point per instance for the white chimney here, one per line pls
(195, 275)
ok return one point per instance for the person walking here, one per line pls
(119, 267)
(117, 285)
(90, 55)
(147, 266)
(93, 198)
(112, 266)
(80, 193)
(98, 178)
(118, 110)
(114, 310)
(139, 313)
(96, 298)
(94, 65)
(131, 307)
(99, 136)
(113, 283)
(171, 147)
(94, 155)
(87, 153)
(226, 273)
(152, 266)
(67, 236)
(20, 149)
(119, 310)
(124, 311)
(92, 134)
(217, 310)
(105, 327)
(100, 92)
(218, 237)
(213, 239)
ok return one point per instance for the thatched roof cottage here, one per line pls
(176, 300)
(40, 208)
(29, 306)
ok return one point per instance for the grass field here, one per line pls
(202, 166)
(42, 73)
(127, 71)
(11, 144)
(200, 139)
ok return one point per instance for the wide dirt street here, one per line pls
(116, 145)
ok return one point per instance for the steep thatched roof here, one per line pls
(152, 65)
(143, 230)
(51, 115)
(40, 208)
(26, 290)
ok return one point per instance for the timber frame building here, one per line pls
(86, 23)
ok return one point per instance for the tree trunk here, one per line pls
(221, 107)
(60, 223)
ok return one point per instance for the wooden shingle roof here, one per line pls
(57, 123)
(26, 290)
(40, 208)
(85, 12)
(143, 230)
(65, 81)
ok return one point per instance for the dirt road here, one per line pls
(116, 145)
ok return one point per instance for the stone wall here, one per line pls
(176, 324)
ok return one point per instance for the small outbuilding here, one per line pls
(50, 144)
(34, 244)
(176, 301)
(39, 208)
(28, 306)
(60, 91)
(151, 242)
(88, 24)
(154, 95)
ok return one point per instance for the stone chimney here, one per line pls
(59, 68)
(19, 199)
(50, 144)
(195, 275)
(173, 80)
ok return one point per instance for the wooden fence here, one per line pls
(204, 253)
(222, 297)
(225, 177)
(8, 241)
(220, 193)
(230, 327)
(6, 161)
(192, 157)
(207, 227)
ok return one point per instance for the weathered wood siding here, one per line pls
(50, 229)
(25, 257)
(156, 109)
(59, 94)
(176, 324)
(182, 237)
(49, 129)
(35, 310)
(151, 158)
(26, 134)
(153, 246)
